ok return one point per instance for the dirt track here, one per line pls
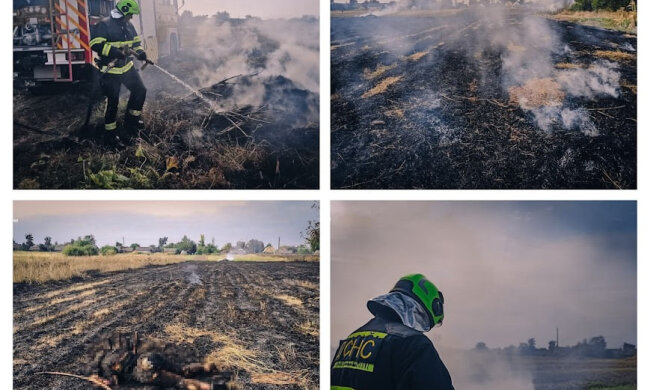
(267, 310)
(422, 101)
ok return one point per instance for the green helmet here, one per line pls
(426, 293)
(128, 7)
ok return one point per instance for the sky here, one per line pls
(265, 9)
(145, 222)
(509, 271)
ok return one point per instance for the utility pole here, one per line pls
(557, 337)
(278, 243)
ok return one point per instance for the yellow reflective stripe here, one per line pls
(353, 365)
(97, 40)
(120, 70)
(135, 112)
(137, 39)
(106, 49)
(123, 43)
(110, 126)
(378, 335)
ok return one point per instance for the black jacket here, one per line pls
(108, 37)
(384, 354)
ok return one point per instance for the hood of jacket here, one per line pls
(410, 311)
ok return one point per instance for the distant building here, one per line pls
(269, 250)
(286, 250)
(171, 251)
(142, 249)
(59, 248)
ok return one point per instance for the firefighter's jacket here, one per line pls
(108, 37)
(387, 355)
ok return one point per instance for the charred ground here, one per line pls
(421, 101)
(272, 143)
(258, 319)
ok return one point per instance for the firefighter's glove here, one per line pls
(116, 52)
(141, 55)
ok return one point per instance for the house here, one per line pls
(59, 247)
(269, 250)
(142, 249)
(170, 251)
(286, 250)
(127, 249)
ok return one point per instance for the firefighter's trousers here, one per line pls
(111, 84)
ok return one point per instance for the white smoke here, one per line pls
(286, 48)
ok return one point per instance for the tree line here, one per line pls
(612, 5)
(87, 246)
(595, 347)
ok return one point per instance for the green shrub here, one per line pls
(108, 250)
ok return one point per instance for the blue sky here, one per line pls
(509, 270)
(266, 9)
(145, 222)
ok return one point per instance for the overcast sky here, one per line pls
(509, 271)
(266, 9)
(145, 222)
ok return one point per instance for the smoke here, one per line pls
(477, 370)
(287, 48)
(529, 50)
(192, 277)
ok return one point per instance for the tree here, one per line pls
(186, 245)
(312, 233)
(531, 343)
(47, 245)
(227, 247)
(552, 345)
(254, 246)
(134, 245)
(202, 240)
(161, 243)
(29, 243)
(240, 245)
(481, 346)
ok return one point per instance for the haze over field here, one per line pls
(263, 9)
(509, 270)
(145, 222)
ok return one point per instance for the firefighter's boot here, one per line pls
(133, 121)
(110, 136)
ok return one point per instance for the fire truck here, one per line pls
(51, 37)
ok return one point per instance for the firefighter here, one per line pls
(390, 351)
(114, 39)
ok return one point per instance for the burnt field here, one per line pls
(481, 98)
(259, 320)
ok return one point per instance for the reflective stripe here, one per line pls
(123, 43)
(135, 112)
(110, 126)
(106, 49)
(354, 365)
(379, 335)
(121, 70)
(97, 40)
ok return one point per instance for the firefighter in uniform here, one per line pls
(114, 39)
(390, 352)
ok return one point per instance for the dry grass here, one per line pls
(537, 93)
(57, 301)
(37, 267)
(289, 300)
(303, 283)
(615, 20)
(309, 328)
(267, 257)
(394, 113)
(382, 86)
(628, 85)
(416, 56)
(567, 65)
(615, 55)
(228, 355)
(380, 70)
